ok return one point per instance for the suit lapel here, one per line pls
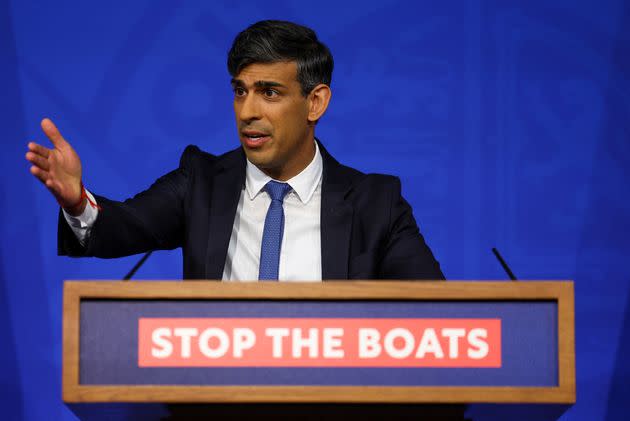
(227, 184)
(336, 219)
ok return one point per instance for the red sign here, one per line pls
(318, 342)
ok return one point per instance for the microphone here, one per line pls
(506, 268)
(137, 266)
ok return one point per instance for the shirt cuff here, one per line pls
(82, 224)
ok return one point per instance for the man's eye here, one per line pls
(239, 91)
(270, 93)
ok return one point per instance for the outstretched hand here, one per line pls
(59, 169)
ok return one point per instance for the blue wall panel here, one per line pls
(508, 122)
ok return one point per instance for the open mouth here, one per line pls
(254, 139)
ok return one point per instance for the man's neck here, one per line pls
(304, 158)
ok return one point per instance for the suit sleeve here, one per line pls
(151, 220)
(407, 255)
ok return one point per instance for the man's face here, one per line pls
(272, 118)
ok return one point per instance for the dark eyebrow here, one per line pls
(258, 84)
(268, 84)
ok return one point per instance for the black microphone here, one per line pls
(137, 266)
(506, 268)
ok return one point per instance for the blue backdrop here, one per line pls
(508, 122)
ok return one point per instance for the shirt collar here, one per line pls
(303, 184)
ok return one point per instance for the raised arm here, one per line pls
(152, 219)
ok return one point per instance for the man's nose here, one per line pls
(249, 109)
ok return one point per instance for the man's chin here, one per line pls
(259, 158)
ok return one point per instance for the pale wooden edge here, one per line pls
(560, 291)
(566, 341)
(346, 290)
(70, 343)
(318, 394)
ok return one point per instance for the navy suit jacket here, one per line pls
(367, 229)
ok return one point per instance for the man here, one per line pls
(279, 207)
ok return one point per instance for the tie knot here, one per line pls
(277, 190)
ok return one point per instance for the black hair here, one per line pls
(270, 41)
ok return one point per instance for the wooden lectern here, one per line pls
(370, 349)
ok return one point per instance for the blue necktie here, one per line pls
(272, 235)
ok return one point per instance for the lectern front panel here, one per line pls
(387, 342)
(316, 343)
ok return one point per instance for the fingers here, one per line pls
(47, 180)
(38, 160)
(53, 134)
(40, 174)
(38, 149)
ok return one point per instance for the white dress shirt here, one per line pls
(300, 253)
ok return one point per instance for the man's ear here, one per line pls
(318, 101)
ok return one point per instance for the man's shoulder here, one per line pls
(371, 195)
(193, 157)
(375, 184)
(364, 180)
(359, 181)
(354, 179)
